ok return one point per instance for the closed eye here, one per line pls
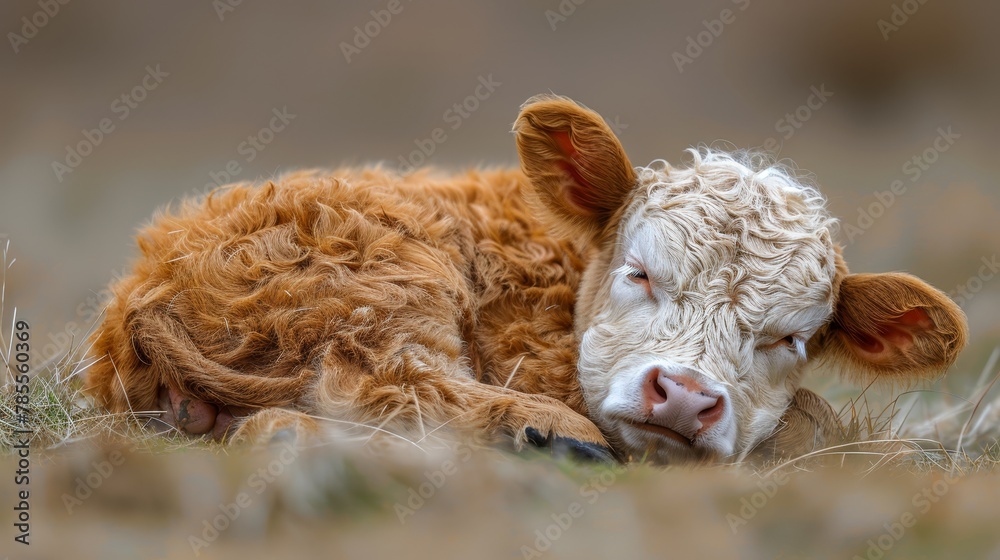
(790, 342)
(636, 275)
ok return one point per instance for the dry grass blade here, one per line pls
(979, 401)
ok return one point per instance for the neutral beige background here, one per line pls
(227, 75)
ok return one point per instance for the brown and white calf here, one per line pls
(667, 311)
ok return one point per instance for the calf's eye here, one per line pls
(789, 342)
(637, 274)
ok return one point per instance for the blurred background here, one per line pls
(194, 95)
(114, 109)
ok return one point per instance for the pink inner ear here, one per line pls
(578, 194)
(898, 337)
(870, 344)
(898, 334)
(918, 318)
(565, 143)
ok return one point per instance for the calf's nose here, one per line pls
(680, 403)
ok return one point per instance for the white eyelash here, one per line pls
(800, 346)
(626, 270)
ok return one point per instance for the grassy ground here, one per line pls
(102, 486)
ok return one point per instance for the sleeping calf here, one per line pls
(667, 311)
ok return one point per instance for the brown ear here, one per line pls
(893, 327)
(578, 169)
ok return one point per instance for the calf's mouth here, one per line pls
(663, 431)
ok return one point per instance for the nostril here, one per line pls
(712, 414)
(659, 390)
(655, 393)
(682, 403)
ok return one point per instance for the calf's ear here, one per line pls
(892, 327)
(577, 168)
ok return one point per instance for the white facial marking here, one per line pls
(721, 271)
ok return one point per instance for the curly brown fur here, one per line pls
(349, 292)
(418, 301)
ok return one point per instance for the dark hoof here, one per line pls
(561, 447)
